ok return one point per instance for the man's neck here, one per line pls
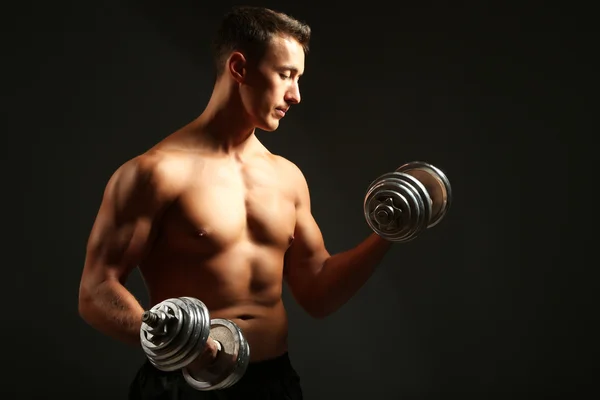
(222, 134)
(223, 123)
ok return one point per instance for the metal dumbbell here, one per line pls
(400, 205)
(175, 331)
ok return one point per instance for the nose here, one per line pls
(292, 96)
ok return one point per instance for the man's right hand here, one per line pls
(207, 357)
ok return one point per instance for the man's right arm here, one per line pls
(119, 239)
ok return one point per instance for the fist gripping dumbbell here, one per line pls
(399, 205)
(174, 333)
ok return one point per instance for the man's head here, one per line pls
(263, 52)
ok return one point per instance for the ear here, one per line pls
(237, 66)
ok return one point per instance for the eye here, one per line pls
(284, 76)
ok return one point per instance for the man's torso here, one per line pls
(223, 241)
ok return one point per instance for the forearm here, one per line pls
(343, 274)
(112, 310)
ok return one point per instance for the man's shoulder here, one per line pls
(289, 168)
(158, 168)
(293, 178)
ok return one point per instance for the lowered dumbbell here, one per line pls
(399, 205)
(174, 333)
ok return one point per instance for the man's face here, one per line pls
(271, 86)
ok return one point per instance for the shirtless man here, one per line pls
(210, 213)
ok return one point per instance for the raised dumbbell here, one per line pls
(399, 205)
(174, 333)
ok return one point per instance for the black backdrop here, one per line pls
(482, 306)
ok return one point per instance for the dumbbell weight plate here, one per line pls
(391, 212)
(231, 363)
(423, 202)
(400, 195)
(437, 185)
(185, 335)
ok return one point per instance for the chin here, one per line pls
(269, 125)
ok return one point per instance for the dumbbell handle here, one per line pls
(156, 320)
(153, 318)
(206, 365)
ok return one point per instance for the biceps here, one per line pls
(308, 252)
(121, 244)
(122, 231)
(115, 248)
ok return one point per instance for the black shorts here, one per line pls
(271, 379)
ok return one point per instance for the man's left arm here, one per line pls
(319, 281)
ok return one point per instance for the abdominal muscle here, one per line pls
(242, 284)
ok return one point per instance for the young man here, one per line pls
(210, 213)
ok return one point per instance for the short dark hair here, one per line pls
(249, 30)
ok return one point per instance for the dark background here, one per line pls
(490, 304)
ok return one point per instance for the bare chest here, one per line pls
(225, 205)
